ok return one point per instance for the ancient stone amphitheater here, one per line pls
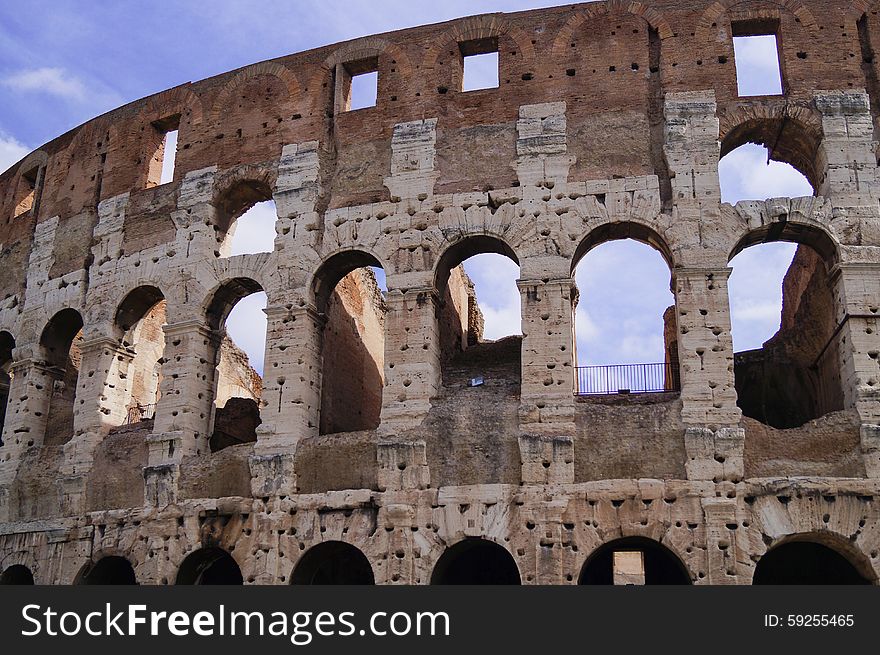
(139, 445)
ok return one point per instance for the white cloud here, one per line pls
(757, 65)
(53, 81)
(745, 174)
(494, 278)
(11, 151)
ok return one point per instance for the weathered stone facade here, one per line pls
(608, 123)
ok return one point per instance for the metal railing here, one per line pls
(140, 413)
(626, 379)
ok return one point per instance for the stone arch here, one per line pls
(792, 133)
(468, 245)
(813, 558)
(650, 15)
(179, 100)
(234, 194)
(476, 561)
(269, 68)
(661, 564)
(352, 341)
(108, 570)
(17, 574)
(7, 346)
(367, 48)
(333, 563)
(138, 322)
(209, 565)
(616, 230)
(59, 346)
(793, 228)
(223, 297)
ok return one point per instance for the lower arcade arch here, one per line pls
(60, 346)
(209, 566)
(110, 570)
(803, 561)
(333, 563)
(17, 574)
(476, 562)
(634, 561)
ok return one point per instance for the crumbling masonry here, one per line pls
(363, 455)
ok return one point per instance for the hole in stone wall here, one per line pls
(26, 191)
(625, 323)
(254, 230)
(140, 319)
(349, 295)
(634, 561)
(358, 86)
(480, 72)
(17, 574)
(364, 90)
(781, 304)
(111, 570)
(480, 321)
(238, 377)
(475, 562)
(806, 563)
(60, 345)
(209, 566)
(756, 53)
(164, 143)
(7, 344)
(333, 563)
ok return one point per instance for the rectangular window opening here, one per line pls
(27, 191)
(479, 64)
(358, 85)
(756, 52)
(164, 158)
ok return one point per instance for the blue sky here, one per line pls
(78, 60)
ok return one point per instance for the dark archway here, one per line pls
(806, 563)
(209, 566)
(140, 318)
(17, 574)
(476, 562)
(333, 563)
(110, 570)
(657, 565)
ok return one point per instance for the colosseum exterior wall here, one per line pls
(608, 122)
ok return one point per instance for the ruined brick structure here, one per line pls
(371, 458)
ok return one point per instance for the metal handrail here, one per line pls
(140, 413)
(626, 379)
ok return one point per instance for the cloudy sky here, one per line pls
(82, 59)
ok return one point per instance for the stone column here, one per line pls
(713, 440)
(291, 402)
(101, 396)
(546, 413)
(412, 356)
(184, 413)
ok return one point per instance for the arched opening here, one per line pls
(348, 297)
(110, 570)
(634, 561)
(625, 324)
(60, 343)
(140, 319)
(333, 563)
(209, 566)
(782, 307)
(806, 563)
(479, 319)
(475, 562)
(246, 217)
(17, 574)
(7, 344)
(236, 315)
